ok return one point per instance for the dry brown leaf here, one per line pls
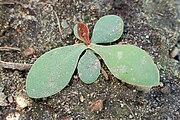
(97, 105)
(28, 52)
(104, 73)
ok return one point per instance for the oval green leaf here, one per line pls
(89, 67)
(129, 64)
(107, 29)
(52, 71)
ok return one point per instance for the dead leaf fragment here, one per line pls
(144, 89)
(97, 105)
(174, 52)
(104, 73)
(122, 43)
(28, 52)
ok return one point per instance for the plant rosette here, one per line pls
(53, 70)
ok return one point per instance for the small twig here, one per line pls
(7, 2)
(58, 23)
(9, 49)
(128, 108)
(15, 66)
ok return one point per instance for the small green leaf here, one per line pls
(129, 63)
(89, 67)
(52, 71)
(107, 29)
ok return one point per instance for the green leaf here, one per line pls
(107, 29)
(89, 67)
(129, 63)
(52, 71)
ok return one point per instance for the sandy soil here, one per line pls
(43, 25)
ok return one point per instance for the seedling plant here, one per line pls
(53, 70)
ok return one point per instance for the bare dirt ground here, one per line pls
(43, 25)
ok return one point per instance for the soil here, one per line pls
(43, 25)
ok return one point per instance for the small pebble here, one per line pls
(147, 36)
(122, 105)
(161, 84)
(92, 94)
(166, 90)
(174, 52)
(1, 89)
(82, 98)
(13, 116)
(10, 99)
(64, 24)
(134, 90)
(22, 102)
(130, 116)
